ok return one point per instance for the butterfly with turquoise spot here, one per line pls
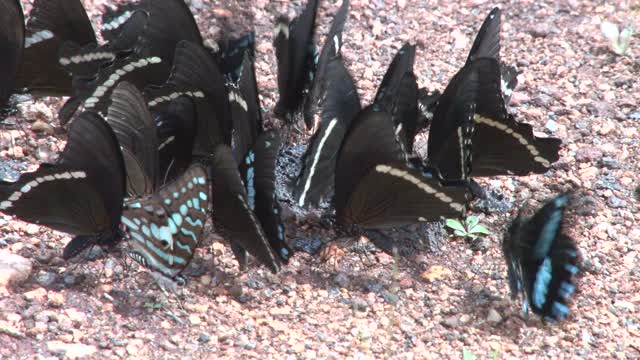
(165, 228)
(542, 261)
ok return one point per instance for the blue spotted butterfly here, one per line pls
(166, 227)
(542, 261)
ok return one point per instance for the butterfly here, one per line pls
(295, 54)
(330, 50)
(166, 227)
(12, 39)
(377, 187)
(81, 193)
(232, 210)
(340, 105)
(168, 22)
(542, 261)
(473, 135)
(398, 95)
(196, 74)
(485, 45)
(51, 24)
(256, 151)
(230, 54)
(136, 132)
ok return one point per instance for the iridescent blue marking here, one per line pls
(203, 196)
(177, 219)
(183, 190)
(184, 247)
(128, 223)
(571, 269)
(284, 253)
(137, 236)
(566, 290)
(196, 204)
(172, 226)
(137, 221)
(541, 285)
(170, 259)
(176, 194)
(190, 186)
(188, 233)
(184, 210)
(250, 158)
(194, 181)
(167, 201)
(251, 190)
(189, 203)
(197, 223)
(201, 180)
(145, 230)
(135, 205)
(559, 310)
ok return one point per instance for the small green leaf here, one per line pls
(479, 229)
(460, 233)
(467, 354)
(496, 355)
(472, 221)
(455, 224)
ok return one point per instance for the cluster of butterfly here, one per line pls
(172, 131)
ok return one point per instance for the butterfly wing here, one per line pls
(136, 132)
(12, 43)
(487, 41)
(300, 63)
(82, 192)
(166, 227)
(375, 188)
(547, 258)
(232, 212)
(258, 171)
(51, 24)
(331, 49)
(340, 106)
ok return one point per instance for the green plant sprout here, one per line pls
(468, 355)
(471, 228)
(619, 41)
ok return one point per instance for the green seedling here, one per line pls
(471, 228)
(619, 41)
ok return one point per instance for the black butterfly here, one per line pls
(542, 260)
(398, 95)
(376, 188)
(166, 227)
(330, 50)
(231, 53)
(340, 105)
(487, 44)
(81, 193)
(168, 23)
(233, 212)
(196, 74)
(51, 24)
(256, 152)
(136, 132)
(471, 114)
(176, 128)
(11, 46)
(295, 53)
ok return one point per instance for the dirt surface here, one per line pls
(360, 303)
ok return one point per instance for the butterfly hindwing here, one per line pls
(136, 131)
(232, 211)
(166, 227)
(542, 260)
(82, 192)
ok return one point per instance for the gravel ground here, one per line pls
(350, 303)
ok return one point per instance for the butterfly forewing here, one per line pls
(542, 261)
(166, 227)
(82, 192)
(340, 106)
(12, 34)
(487, 42)
(232, 210)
